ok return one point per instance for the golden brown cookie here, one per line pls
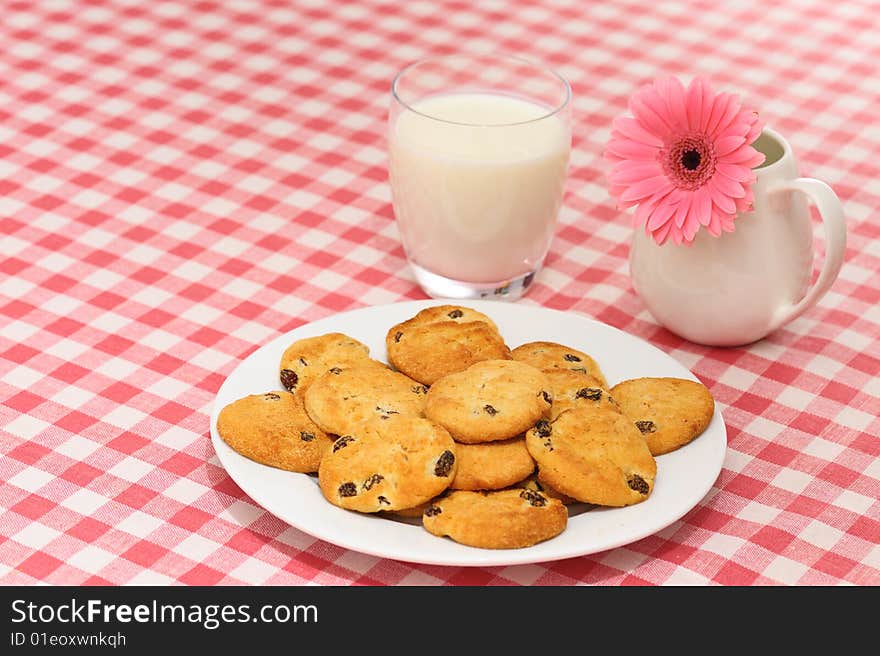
(306, 359)
(550, 355)
(342, 399)
(501, 519)
(571, 389)
(457, 313)
(492, 465)
(442, 340)
(490, 400)
(595, 455)
(273, 429)
(388, 465)
(669, 412)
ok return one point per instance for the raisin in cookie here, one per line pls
(532, 483)
(490, 400)
(342, 399)
(442, 340)
(669, 412)
(306, 359)
(390, 465)
(273, 429)
(595, 455)
(502, 519)
(571, 389)
(492, 465)
(550, 355)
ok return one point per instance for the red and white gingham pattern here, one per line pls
(180, 182)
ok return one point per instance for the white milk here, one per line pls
(476, 198)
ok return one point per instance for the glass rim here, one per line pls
(523, 60)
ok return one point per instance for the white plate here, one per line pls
(683, 476)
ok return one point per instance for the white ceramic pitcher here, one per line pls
(741, 286)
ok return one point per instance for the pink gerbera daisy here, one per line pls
(685, 158)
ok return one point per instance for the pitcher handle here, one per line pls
(831, 211)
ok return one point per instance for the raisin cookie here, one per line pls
(501, 519)
(342, 399)
(490, 400)
(492, 465)
(669, 412)
(595, 455)
(571, 389)
(550, 355)
(306, 359)
(457, 313)
(390, 465)
(442, 340)
(274, 429)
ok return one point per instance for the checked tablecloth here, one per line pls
(181, 182)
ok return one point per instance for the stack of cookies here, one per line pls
(488, 445)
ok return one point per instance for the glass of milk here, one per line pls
(478, 154)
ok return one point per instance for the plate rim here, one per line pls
(495, 557)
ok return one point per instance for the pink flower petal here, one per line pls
(644, 188)
(693, 105)
(740, 126)
(735, 172)
(697, 93)
(756, 160)
(629, 149)
(691, 224)
(701, 205)
(743, 205)
(730, 114)
(661, 196)
(724, 186)
(726, 145)
(660, 235)
(744, 155)
(648, 109)
(672, 91)
(630, 128)
(675, 196)
(660, 216)
(727, 218)
(719, 109)
(707, 103)
(749, 197)
(629, 172)
(714, 226)
(682, 210)
(643, 211)
(720, 200)
(667, 96)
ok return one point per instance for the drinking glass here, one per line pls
(478, 155)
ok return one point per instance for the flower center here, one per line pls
(690, 159)
(689, 162)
